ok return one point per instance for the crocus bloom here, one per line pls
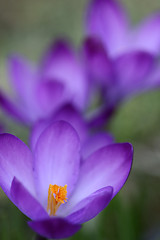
(50, 185)
(40, 91)
(121, 61)
(108, 20)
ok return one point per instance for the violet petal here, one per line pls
(57, 158)
(89, 207)
(107, 21)
(55, 227)
(26, 202)
(95, 142)
(67, 113)
(15, 161)
(108, 166)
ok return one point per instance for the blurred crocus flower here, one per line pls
(120, 61)
(107, 20)
(40, 91)
(50, 185)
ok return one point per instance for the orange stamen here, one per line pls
(56, 196)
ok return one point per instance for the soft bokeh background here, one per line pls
(27, 27)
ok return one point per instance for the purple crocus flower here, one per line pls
(40, 91)
(50, 185)
(120, 61)
(108, 20)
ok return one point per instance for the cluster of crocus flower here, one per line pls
(70, 172)
(121, 61)
(41, 91)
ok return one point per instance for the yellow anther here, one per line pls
(56, 196)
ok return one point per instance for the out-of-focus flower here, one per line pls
(40, 91)
(107, 20)
(52, 188)
(121, 62)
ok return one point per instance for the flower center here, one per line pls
(56, 196)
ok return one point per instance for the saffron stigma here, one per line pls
(56, 196)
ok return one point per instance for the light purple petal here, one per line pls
(13, 109)
(15, 161)
(68, 114)
(107, 20)
(109, 166)
(97, 62)
(36, 131)
(56, 159)
(23, 76)
(56, 228)
(50, 96)
(131, 71)
(24, 79)
(62, 64)
(147, 36)
(95, 142)
(91, 206)
(26, 202)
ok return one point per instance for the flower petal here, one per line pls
(24, 79)
(95, 142)
(26, 202)
(98, 64)
(56, 228)
(50, 96)
(132, 70)
(109, 166)
(15, 161)
(62, 64)
(69, 114)
(13, 109)
(147, 36)
(89, 207)
(56, 159)
(107, 21)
